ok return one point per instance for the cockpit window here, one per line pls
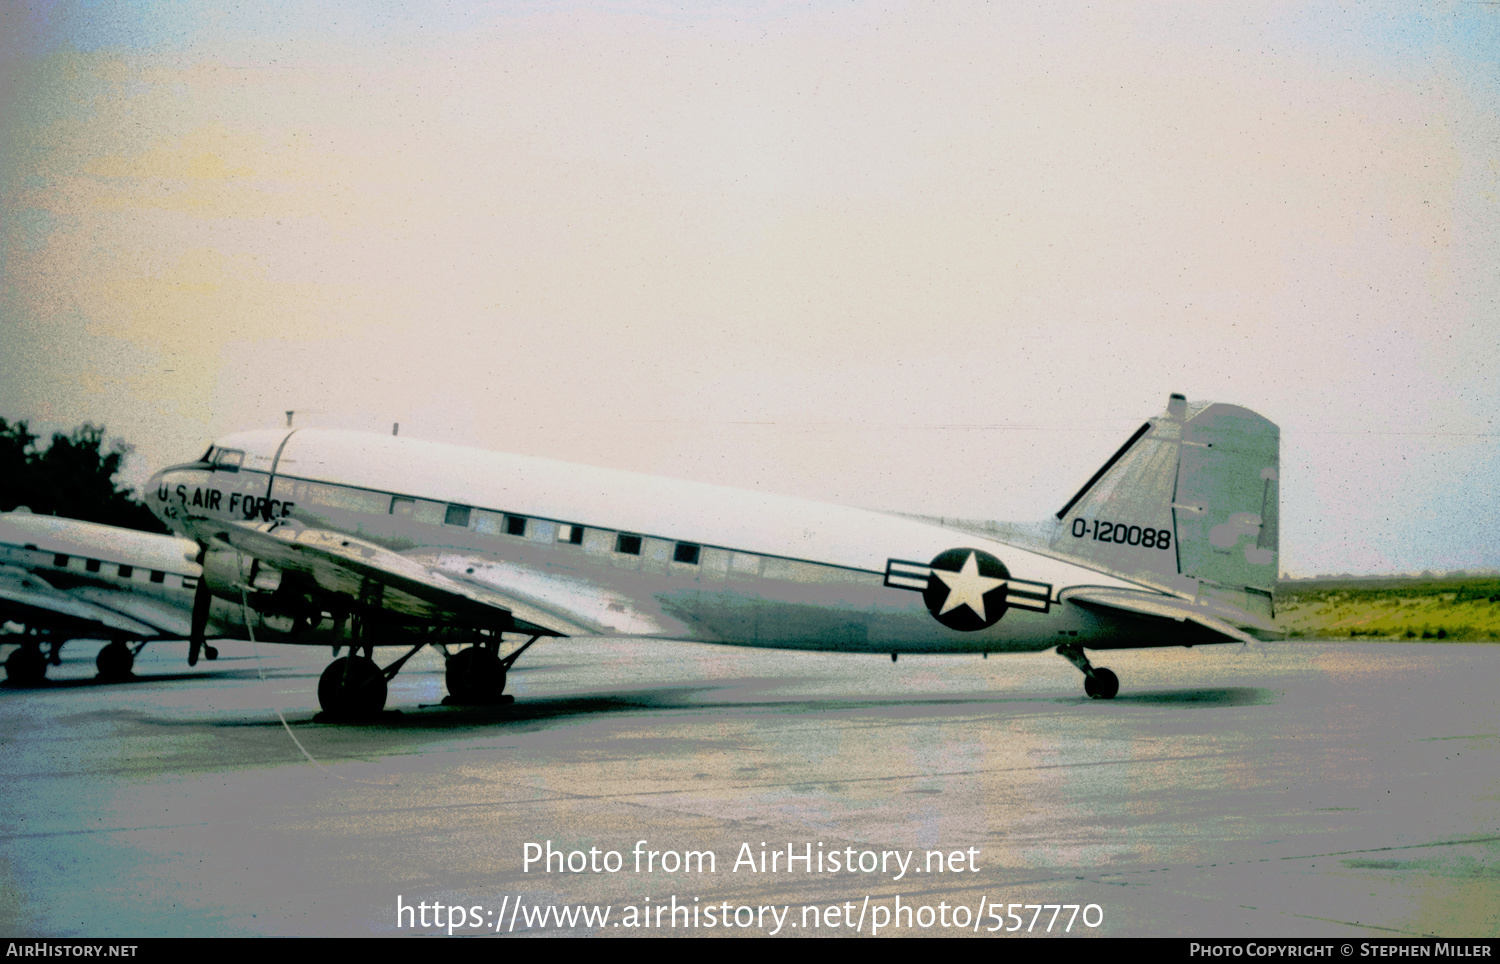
(228, 460)
(209, 455)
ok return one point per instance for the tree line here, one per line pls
(74, 476)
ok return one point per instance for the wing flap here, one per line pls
(561, 596)
(1160, 607)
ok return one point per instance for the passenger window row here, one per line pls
(463, 516)
(60, 560)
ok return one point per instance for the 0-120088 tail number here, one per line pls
(1119, 532)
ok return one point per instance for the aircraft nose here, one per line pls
(159, 497)
(157, 491)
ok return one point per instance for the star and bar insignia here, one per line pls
(967, 589)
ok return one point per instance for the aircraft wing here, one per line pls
(374, 576)
(1117, 601)
(27, 598)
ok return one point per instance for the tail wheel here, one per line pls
(115, 661)
(1103, 685)
(26, 666)
(475, 675)
(352, 687)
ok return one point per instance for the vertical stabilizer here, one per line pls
(1189, 504)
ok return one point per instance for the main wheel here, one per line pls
(1103, 685)
(352, 687)
(26, 666)
(114, 661)
(475, 675)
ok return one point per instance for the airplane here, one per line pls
(1173, 542)
(63, 579)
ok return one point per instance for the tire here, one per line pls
(26, 666)
(475, 675)
(1103, 685)
(115, 661)
(352, 688)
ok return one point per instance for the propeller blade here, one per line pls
(201, 600)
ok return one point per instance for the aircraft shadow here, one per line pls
(1216, 696)
(134, 678)
(697, 698)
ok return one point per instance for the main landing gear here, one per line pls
(1098, 682)
(476, 675)
(354, 687)
(27, 664)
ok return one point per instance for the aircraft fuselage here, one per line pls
(650, 557)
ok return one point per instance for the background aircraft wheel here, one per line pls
(352, 687)
(475, 675)
(1103, 686)
(26, 666)
(114, 661)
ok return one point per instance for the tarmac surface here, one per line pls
(1300, 789)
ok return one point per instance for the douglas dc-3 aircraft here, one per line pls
(1173, 542)
(63, 579)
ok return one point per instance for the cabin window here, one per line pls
(341, 497)
(228, 460)
(457, 515)
(402, 507)
(158, 576)
(60, 560)
(515, 525)
(628, 544)
(686, 552)
(92, 565)
(126, 571)
(429, 513)
(570, 534)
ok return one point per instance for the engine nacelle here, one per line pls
(228, 572)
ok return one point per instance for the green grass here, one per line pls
(1458, 609)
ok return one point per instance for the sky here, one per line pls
(934, 257)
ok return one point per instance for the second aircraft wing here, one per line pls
(26, 597)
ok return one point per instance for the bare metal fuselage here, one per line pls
(760, 570)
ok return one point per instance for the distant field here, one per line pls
(1451, 608)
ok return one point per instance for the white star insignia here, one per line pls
(967, 587)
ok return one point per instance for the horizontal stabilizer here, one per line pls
(1162, 607)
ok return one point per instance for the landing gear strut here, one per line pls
(353, 687)
(1098, 682)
